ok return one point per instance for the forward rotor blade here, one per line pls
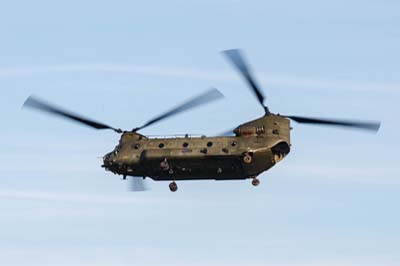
(237, 59)
(372, 126)
(35, 103)
(209, 96)
(137, 184)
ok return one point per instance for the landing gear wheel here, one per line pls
(255, 182)
(173, 186)
(247, 158)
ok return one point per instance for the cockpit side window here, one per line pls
(117, 149)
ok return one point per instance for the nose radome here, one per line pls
(107, 159)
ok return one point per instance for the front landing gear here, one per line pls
(255, 182)
(173, 186)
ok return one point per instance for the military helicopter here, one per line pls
(250, 149)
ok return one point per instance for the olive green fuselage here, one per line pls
(257, 146)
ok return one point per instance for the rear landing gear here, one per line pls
(173, 186)
(255, 182)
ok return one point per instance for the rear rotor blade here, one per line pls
(209, 96)
(137, 184)
(37, 104)
(372, 126)
(237, 59)
(227, 133)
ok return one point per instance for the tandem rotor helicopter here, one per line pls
(252, 148)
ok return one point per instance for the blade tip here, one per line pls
(231, 51)
(28, 102)
(217, 92)
(377, 127)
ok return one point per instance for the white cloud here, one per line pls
(298, 82)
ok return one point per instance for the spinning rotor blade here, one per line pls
(372, 126)
(137, 184)
(237, 59)
(209, 96)
(227, 133)
(35, 103)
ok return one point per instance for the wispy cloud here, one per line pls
(72, 197)
(344, 173)
(298, 82)
(145, 256)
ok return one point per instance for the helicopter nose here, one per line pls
(112, 162)
(108, 160)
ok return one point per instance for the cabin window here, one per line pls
(161, 145)
(185, 144)
(136, 146)
(209, 144)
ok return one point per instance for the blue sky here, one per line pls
(332, 201)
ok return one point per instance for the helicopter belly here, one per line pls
(209, 167)
(187, 165)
